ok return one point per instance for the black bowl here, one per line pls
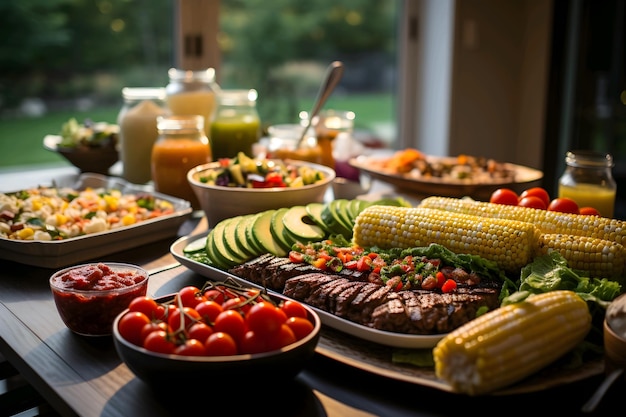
(159, 370)
(97, 159)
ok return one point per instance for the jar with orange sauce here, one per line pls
(181, 146)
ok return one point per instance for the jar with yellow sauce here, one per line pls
(282, 143)
(588, 180)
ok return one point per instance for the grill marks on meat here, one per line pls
(351, 297)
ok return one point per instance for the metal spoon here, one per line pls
(595, 399)
(333, 75)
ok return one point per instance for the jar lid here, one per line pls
(584, 158)
(207, 75)
(143, 93)
(180, 123)
(237, 97)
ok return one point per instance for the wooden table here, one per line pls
(84, 376)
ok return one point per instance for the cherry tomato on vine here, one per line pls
(253, 342)
(300, 326)
(191, 347)
(265, 318)
(532, 202)
(231, 322)
(214, 295)
(504, 196)
(130, 325)
(283, 337)
(189, 296)
(538, 192)
(200, 331)
(564, 205)
(159, 341)
(220, 344)
(293, 309)
(589, 211)
(209, 310)
(154, 326)
(189, 316)
(146, 305)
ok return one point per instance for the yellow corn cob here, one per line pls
(509, 243)
(597, 257)
(512, 342)
(547, 221)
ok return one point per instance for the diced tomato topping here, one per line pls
(296, 257)
(449, 285)
(441, 279)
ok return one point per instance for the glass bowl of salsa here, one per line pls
(88, 297)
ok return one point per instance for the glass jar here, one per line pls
(235, 126)
(588, 180)
(330, 124)
(192, 92)
(181, 146)
(137, 120)
(283, 140)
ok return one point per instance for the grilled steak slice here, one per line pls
(362, 306)
(353, 296)
(422, 312)
(320, 297)
(271, 271)
(250, 270)
(301, 287)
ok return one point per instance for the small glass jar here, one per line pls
(192, 92)
(137, 120)
(588, 180)
(236, 125)
(181, 146)
(282, 143)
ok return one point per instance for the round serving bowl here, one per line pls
(222, 202)
(97, 159)
(615, 335)
(89, 297)
(215, 373)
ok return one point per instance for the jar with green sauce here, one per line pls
(236, 125)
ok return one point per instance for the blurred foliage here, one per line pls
(63, 50)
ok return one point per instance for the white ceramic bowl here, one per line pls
(221, 202)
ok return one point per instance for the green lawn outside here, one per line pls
(21, 138)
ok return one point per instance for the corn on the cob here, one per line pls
(551, 222)
(512, 342)
(597, 257)
(509, 243)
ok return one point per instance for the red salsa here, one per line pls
(89, 297)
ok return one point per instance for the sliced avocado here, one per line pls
(302, 227)
(231, 258)
(230, 239)
(261, 230)
(333, 219)
(278, 228)
(217, 259)
(314, 210)
(342, 206)
(249, 224)
(241, 236)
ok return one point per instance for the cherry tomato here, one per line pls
(220, 344)
(564, 205)
(189, 296)
(154, 326)
(293, 309)
(589, 211)
(537, 192)
(448, 286)
(215, 295)
(504, 196)
(209, 310)
(189, 317)
(237, 303)
(253, 342)
(146, 305)
(231, 322)
(532, 202)
(200, 331)
(191, 347)
(265, 318)
(159, 341)
(283, 337)
(130, 326)
(300, 326)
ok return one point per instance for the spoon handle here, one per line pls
(595, 399)
(333, 75)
